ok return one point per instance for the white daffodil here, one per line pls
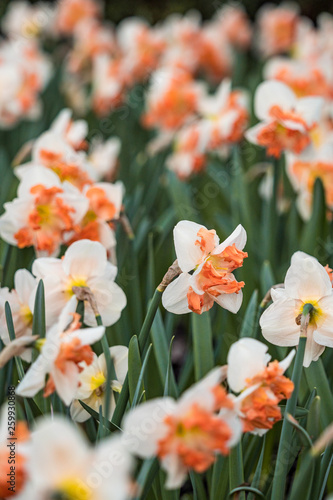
(186, 434)
(62, 464)
(261, 384)
(83, 265)
(92, 383)
(65, 347)
(306, 282)
(199, 250)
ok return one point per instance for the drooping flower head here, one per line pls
(199, 250)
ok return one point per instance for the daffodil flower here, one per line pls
(306, 282)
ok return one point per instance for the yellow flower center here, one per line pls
(26, 314)
(72, 488)
(97, 380)
(77, 281)
(316, 314)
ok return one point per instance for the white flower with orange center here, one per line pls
(44, 211)
(199, 250)
(62, 464)
(21, 301)
(306, 282)
(287, 122)
(53, 151)
(172, 99)
(141, 45)
(65, 347)
(92, 386)
(261, 384)
(277, 28)
(186, 434)
(24, 72)
(105, 203)
(83, 265)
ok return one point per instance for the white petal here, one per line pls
(312, 350)
(237, 237)
(310, 108)
(286, 362)
(201, 392)
(24, 284)
(174, 298)
(85, 258)
(176, 472)
(189, 254)
(306, 279)
(230, 301)
(34, 380)
(66, 384)
(278, 323)
(246, 358)
(143, 426)
(273, 93)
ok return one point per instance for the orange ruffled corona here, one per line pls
(260, 408)
(47, 221)
(196, 436)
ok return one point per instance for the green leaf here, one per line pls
(313, 421)
(134, 366)
(316, 227)
(38, 322)
(162, 354)
(236, 469)
(202, 344)
(250, 319)
(138, 391)
(99, 417)
(257, 475)
(317, 378)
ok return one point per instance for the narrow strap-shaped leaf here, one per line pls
(11, 332)
(236, 469)
(257, 475)
(316, 378)
(38, 322)
(202, 344)
(162, 354)
(134, 366)
(138, 389)
(250, 317)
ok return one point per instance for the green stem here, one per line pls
(142, 340)
(236, 469)
(111, 374)
(282, 460)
